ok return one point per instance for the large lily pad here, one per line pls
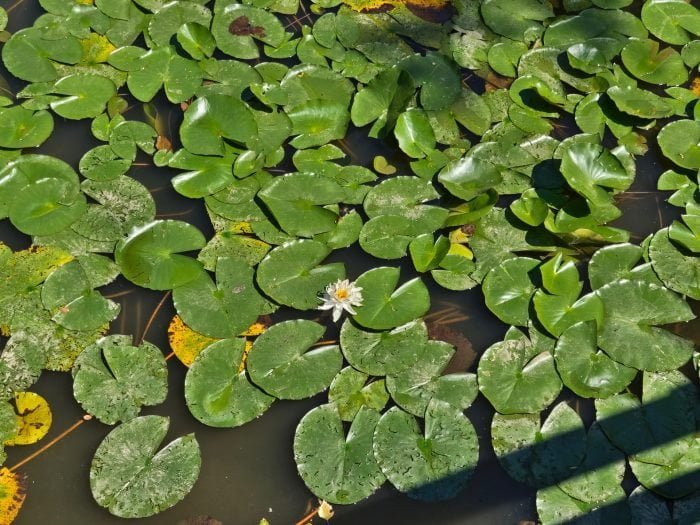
(85, 96)
(630, 332)
(24, 128)
(291, 274)
(539, 456)
(383, 353)
(283, 363)
(434, 464)
(337, 468)
(151, 256)
(224, 309)
(508, 288)
(236, 27)
(217, 389)
(132, 480)
(113, 379)
(678, 270)
(518, 377)
(386, 306)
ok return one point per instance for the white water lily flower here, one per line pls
(341, 295)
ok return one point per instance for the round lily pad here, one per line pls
(586, 370)
(113, 379)
(131, 480)
(647, 62)
(679, 140)
(431, 465)
(337, 468)
(217, 389)
(283, 363)
(508, 288)
(85, 96)
(517, 377)
(236, 27)
(630, 332)
(224, 309)
(386, 352)
(350, 392)
(413, 388)
(679, 271)
(539, 456)
(291, 275)
(151, 255)
(385, 306)
(672, 21)
(24, 128)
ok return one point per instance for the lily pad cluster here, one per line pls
(514, 126)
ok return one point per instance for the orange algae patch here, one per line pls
(12, 494)
(185, 342)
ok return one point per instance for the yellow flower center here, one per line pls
(341, 294)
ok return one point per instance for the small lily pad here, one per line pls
(350, 392)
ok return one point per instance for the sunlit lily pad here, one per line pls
(23, 128)
(517, 377)
(680, 141)
(673, 21)
(283, 363)
(335, 467)
(132, 480)
(217, 389)
(151, 256)
(433, 464)
(291, 274)
(630, 334)
(113, 379)
(508, 288)
(223, 309)
(678, 270)
(85, 96)
(350, 391)
(236, 27)
(647, 62)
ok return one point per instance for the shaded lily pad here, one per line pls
(217, 389)
(283, 363)
(335, 467)
(224, 309)
(113, 379)
(431, 465)
(539, 456)
(678, 270)
(132, 480)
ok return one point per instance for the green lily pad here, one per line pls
(29, 56)
(539, 456)
(129, 136)
(291, 274)
(431, 465)
(586, 370)
(124, 204)
(415, 387)
(554, 506)
(388, 236)
(167, 20)
(218, 391)
(437, 77)
(296, 201)
(646, 62)
(337, 468)
(599, 476)
(113, 379)
(24, 128)
(383, 353)
(131, 480)
(67, 293)
(151, 256)
(678, 270)
(508, 288)
(350, 392)
(517, 377)
(86, 96)
(212, 119)
(46, 207)
(680, 141)
(206, 175)
(612, 263)
(102, 163)
(317, 122)
(224, 309)
(519, 20)
(469, 176)
(236, 27)
(672, 21)
(630, 334)
(383, 305)
(640, 103)
(405, 197)
(414, 133)
(283, 363)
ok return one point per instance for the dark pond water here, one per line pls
(249, 473)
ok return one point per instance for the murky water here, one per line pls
(249, 472)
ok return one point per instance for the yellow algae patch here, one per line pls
(12, 494)
(33, 418)
(372, 5)
(695, 86)
(96, 49)
(185, 342)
